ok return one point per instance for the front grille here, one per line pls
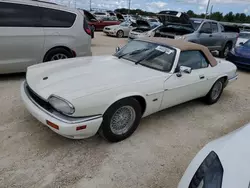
(37, 99)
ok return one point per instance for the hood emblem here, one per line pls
(45, 78)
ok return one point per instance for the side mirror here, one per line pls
(117, 49)
(241, 43)
(183, 69)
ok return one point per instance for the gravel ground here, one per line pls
(155, 156)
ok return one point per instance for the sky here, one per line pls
(198, 6)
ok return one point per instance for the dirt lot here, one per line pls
(155, 156)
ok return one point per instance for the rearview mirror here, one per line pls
(117, 49)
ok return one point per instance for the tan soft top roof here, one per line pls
(183, 46)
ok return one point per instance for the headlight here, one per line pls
(61, 105)
(180, 37)
(209, 174)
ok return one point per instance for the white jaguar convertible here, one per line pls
(79, 97)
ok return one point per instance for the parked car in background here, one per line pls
(121, 30)
(178, 25)
(240, 55)
(33, 32)
(143, 29)
(243, 37)
(154, 21)
(99, 24)
(110, 94)
(100, 15)
(222, 163)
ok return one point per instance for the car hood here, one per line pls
(175, 18)
(85, 75)
(89, 16)
(243, 51)
(143, 23)
(113, 26)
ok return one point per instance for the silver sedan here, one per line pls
(121, 30)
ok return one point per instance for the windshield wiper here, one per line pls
(134, 52)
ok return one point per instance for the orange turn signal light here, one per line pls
(52, 125)
(81, 127)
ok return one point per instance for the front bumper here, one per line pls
(240, 62)
(67, 126)
(110, 32)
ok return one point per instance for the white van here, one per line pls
(35, 31)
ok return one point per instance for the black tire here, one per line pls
(49, 56)
(227, 49)
(209, 98)
(106, 131)
(120, 34)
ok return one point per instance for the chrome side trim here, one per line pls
(60, 117)
(154, 93)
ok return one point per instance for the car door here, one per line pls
(182, 87)
(21, 36)
(205, 35)
(216, 38)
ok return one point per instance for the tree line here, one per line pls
(229, 17)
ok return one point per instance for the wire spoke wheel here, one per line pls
(122, 120)
(58, 57)
(216, 90)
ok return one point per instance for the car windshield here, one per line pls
(244, 35)
(196, 23)
(247, 44)
(152, 55)
(125, 24)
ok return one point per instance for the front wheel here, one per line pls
(120, 34)
(215, 92)
(121, 120)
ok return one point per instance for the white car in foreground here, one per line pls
(79, 97)
(223, 163)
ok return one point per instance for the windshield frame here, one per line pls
(176, 52)
(194, 24)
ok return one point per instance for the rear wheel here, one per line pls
(215, 92)
(120, 34)
(57, 54)
(121, 120)
(226, 50)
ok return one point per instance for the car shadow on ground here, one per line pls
(13, 76)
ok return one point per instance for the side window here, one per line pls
(222, 28)
(214, 27)
(193, 59)
(57, 18)
(206, 27)
(17, 15)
